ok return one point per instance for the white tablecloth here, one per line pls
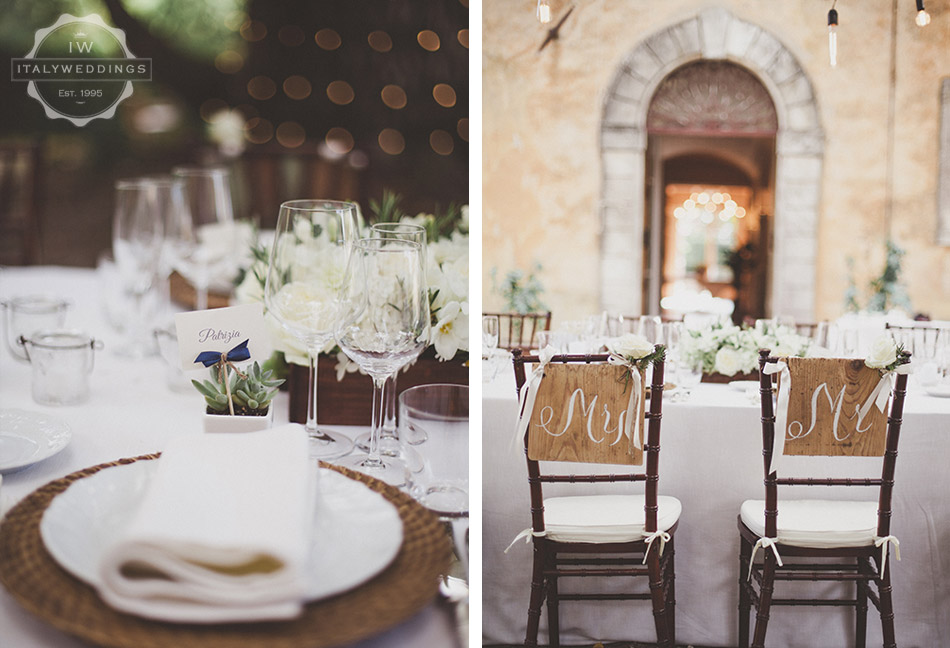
(711, 460)
(130, 412)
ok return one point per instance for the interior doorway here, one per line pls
(710, 193)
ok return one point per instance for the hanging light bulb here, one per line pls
(923, 18)
(544, 11)
(833, 36)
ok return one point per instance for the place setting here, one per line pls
(251, 529)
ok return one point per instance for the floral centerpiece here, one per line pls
(729, 350)
(447, 277)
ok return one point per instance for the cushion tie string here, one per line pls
(527, 534)
(765, 543)
(663, 536)
(883, 544)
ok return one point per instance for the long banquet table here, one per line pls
(130, 412)
(711, 460)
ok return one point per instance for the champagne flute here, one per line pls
(204, 237)
(384, 324)
(141, 209)
(305, 271)
(389, 436)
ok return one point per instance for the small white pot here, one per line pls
(235, 424)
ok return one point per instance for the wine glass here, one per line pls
(389, 436)
(202, 237)
(689, 373)
(312, 244)
(490, 334)
(141, 210)
(384, 324)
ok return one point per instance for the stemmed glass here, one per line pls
(312, 244)
(141, 209)
(389, 437)
(489, 334)
(202, 240)
(384, 324)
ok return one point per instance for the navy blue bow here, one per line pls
(237, 354)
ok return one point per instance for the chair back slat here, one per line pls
(826, 397)
(580, 415)
(520, 330)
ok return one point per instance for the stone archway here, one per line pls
(714, 34)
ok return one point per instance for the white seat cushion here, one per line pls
(604, 518)
(821, 524)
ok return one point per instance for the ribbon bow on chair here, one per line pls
(529, 392)
(631, 428)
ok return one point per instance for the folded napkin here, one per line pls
(223, 532)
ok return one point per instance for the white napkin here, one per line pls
(223, 532)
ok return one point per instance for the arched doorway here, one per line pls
(712, 35)
(711, 129)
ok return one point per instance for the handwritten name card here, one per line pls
(220, 330)
(581, 414)
(823, 420)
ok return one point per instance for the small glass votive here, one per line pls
(29, 313)
(62, 360)
(440, 413)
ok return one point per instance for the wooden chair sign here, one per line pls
(825, 399)
(581, 413)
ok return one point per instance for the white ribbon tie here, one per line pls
(527, 534)
(883, 544)
(663, 536)
(529, 393)
(633, 404)
(781, 409)
(765, 543)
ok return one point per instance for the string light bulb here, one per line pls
(544, 11)
(923, 18)
(833, 35)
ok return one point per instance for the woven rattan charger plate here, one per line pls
(46, 590)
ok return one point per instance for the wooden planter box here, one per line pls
(720, 378)
(350, 401)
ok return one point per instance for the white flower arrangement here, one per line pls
(447, 277)
(636, 350)
(727, 349)
(885, 354)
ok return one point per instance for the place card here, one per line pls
(238, 332)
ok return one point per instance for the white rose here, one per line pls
(883, 353)
(728, 361)
(631, 345)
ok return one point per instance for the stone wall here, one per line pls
(563, 139)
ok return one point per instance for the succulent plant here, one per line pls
(251, 391)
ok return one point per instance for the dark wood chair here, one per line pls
(850, 539)
(520, 330)
(629, 535)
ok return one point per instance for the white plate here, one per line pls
(357, 532)
(941, 391)
(29, 437)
